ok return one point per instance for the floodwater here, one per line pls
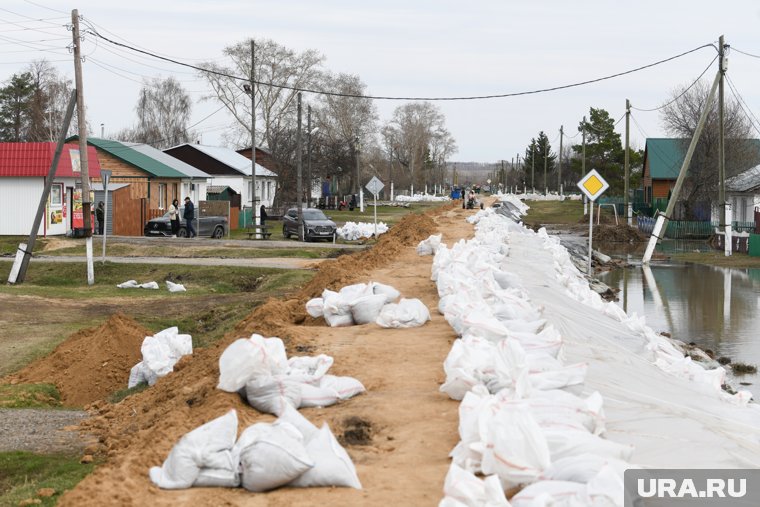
(716, 308)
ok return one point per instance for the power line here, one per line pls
(46, 7)
(744, 52)
(682, 93)
(377, 97)
(742, 103)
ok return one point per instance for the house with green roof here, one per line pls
(155, 179)
(662, 162)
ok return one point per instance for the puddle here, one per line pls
(716, 308)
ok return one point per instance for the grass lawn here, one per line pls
(554, 212)
(203, 250)
(29, 396)
(717, 258)
(24, 474)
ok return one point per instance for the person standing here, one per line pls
(263, 214)
(174, 217)
(100, 217)
(189, 216)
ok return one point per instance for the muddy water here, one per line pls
(717, 308)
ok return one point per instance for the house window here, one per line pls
(744, 209)
(56, 195)
(161, 195)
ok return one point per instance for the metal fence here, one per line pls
(684, 229)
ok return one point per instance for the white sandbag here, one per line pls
(339, 319)
(332, 465)
(273, 350)
(149, 285)
(316, 396)
(129, 284)
(157, 355)
(515, 448)
(271, 395)
(583, 467)
(315, 307)
(404, 314)
(309, 369)
(208, 446)
(245, 359)
(349, 293)
(390, 293)
(272, 457)
(346, 387)
(366, 308)
(292, 416)
(567, 442)
(464, 487)
(175, 287)
(137, 376)
(553, 494)
(428, 246)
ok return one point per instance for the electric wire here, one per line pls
(740, 100)
(380, 97)
(46, 7)
(744, 52)
(681, 94)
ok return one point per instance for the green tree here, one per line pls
(604, 150)
(15, 103)
(539, 149)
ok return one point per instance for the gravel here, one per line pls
(40, 430)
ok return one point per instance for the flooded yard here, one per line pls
(716, 308)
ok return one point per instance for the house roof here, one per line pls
(218, 189)
(175, 163)
(744, 182)
(128, 154)
(34, 159)
(665, 157)
(231, 159)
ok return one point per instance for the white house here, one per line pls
(24, 169)
(226, 167)
(743, 193)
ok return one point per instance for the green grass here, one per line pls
(9, 244)
(206, 250)
(554, 212)
(29, 396)
(68, 280)
(717, 258)
(23, 474)
(123, 393)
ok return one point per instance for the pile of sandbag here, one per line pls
(258, 368)
(422, 198)
(132, 284)
(357, 230)
(363, 303)
(288, 452)
(160, 353)
(430, 245)
(517, 424)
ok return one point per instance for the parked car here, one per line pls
(213, 226)
(314, 222)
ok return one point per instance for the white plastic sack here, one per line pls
(346, 387)
(315, 307)
(175, 287)
(207, 447)
(309, 369)
(271, 395)
(245, 359)
(316, 396)
(148, 285)
(332, 465)
(366, 308)
(471, 491)
(129, 284)
(429, 246)
(390, 293)
(292, 416)
(271, 455)
(404, 314)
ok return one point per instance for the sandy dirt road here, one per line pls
(408, 426)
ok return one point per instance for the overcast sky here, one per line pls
(413, 48)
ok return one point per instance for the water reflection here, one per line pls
(717, 308)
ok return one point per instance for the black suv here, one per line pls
(314, 223)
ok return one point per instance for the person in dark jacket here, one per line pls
(189, 216)
(100, 217)
(263, 214)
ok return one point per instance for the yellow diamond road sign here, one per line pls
(593, 185)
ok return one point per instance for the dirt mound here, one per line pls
(622, 233)
(604, 219)
(91, 363)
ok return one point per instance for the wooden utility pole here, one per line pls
(83, 162)
(309, 181)
(252, 84)
(583, 159)
(559, 168)
(546, 152)
(626, 163)
(721, 145)
(299, 179)
(533, 167)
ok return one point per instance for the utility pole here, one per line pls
(533, 166)
(559, 169)
(309, 181)
(627, 160)
(721, 146)
(254, 201)
(546, 150)
(83, 162)
(355, 189)
(583, 160)
(299, 179)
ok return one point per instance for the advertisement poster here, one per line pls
(56, 217)
(76, 164)
(77, 218)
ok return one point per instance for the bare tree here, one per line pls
(163, 113)
(411, 133)
(284, 70)
(680, 118)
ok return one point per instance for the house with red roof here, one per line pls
(24, 168)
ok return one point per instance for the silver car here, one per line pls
(213, 226)
(314, 223)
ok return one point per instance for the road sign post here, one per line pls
(592, 185)
(375, 186)
(105, 175)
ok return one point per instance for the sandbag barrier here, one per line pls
(160, 353)
(352, 231)
(517, 425)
